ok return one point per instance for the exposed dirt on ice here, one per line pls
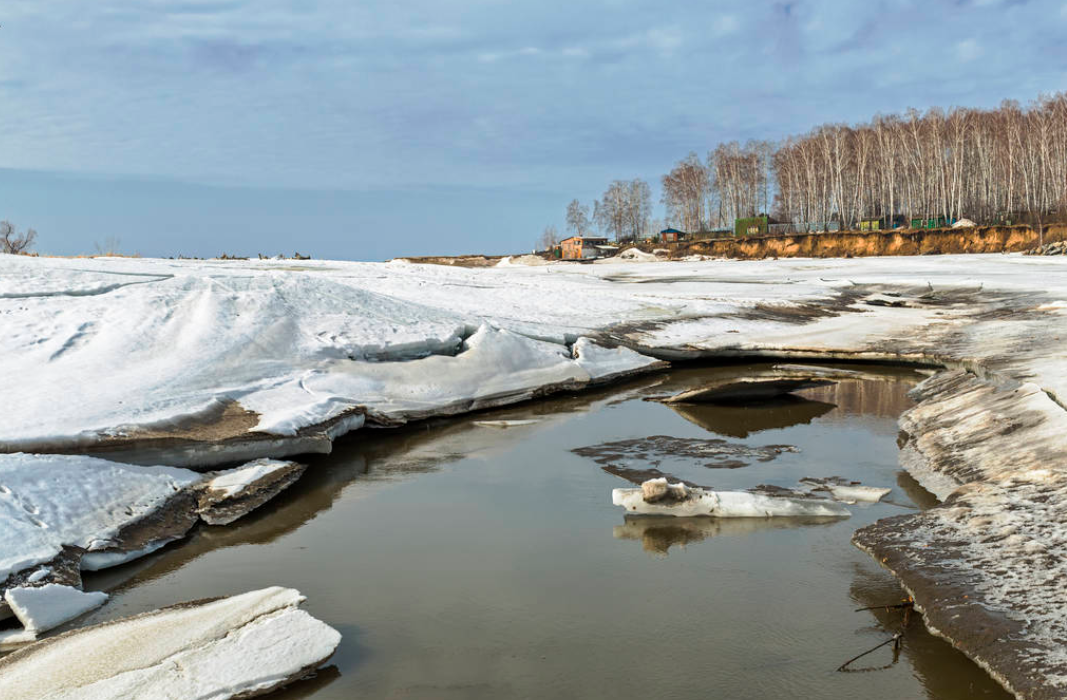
(711, 453)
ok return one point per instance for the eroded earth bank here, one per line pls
(206, 364)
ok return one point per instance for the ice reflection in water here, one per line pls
(658, 534)
(460, 561)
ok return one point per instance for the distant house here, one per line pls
(582, 247)
(671, 235)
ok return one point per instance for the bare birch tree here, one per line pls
(578, 218)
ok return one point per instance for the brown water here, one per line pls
(466, 561)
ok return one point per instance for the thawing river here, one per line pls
(466, 561)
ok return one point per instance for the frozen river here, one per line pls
(465, 560)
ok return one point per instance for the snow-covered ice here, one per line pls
(51, 501)
(236, 647)
(40, 608)
(237, 492)
(233, 481)
(97, 513)
(727, 504)
(264, 358)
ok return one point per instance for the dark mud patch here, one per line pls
(711, 453)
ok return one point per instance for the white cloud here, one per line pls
(665, 40)
(968, 50)
(725, 25)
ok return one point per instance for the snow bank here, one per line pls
(523, 260)
(635, 255)
(241, 646)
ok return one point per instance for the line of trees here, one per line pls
(986, 165)
(991, 166)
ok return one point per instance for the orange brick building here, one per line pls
(579, 247)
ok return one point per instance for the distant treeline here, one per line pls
(991, 166)
(986, 165)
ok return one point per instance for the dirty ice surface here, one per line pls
(461, 561)
(234, 647)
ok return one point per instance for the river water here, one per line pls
(461, 560)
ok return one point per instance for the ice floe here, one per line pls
(237, 492)
(62, 513)
(237, 647)
(40, 608)
(690, 502)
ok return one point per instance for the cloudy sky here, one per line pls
(365, 129)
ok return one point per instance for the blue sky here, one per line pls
(365, 130)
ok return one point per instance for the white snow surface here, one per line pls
(103, 347)
(233, 647)
(728, 504)
(41, 608)
(47, 501)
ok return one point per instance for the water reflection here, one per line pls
(659, 533)
(875, 396)
(743, 421)
(945, 673)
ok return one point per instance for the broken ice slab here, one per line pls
(59, 513)
(234, 493)
(723, 504)
(237, 647)
(504, 423)
(41, 608)
(845, 490)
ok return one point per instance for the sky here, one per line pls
(367, 130)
